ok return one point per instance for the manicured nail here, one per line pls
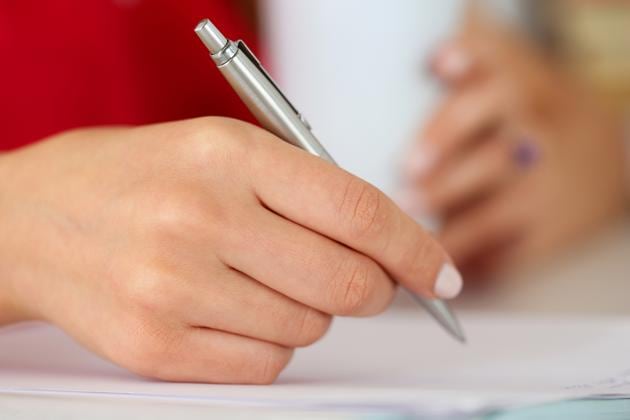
(449, 282)
(454, 63)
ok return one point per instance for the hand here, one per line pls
(202, 250)
(520, 160)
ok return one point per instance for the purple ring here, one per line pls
(526, 153)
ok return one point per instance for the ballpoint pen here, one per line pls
(274, 111)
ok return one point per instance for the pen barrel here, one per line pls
(274, 112)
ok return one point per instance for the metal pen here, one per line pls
(275, 112)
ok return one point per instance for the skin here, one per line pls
(202, 250)
(495, 215)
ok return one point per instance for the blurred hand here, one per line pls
(202, 250)
(519, 160)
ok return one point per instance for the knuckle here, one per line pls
(312, 326)
(176, 217)
(363, 207)
(352, 287)
(148, 291)
(417, 260)
(211, 140)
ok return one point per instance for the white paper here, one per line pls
(402, 361)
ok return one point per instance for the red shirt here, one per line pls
(74, 63)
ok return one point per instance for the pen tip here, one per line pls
(444, 316)
(458, 333)
(451, 324)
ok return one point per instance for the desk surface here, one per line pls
(399, 363)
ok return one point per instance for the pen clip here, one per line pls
(245, 50)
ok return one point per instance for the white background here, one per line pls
(355, 69)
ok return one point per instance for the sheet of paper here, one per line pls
(399, 360)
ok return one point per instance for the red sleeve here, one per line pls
(74, 63)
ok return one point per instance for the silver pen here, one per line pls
(275, 112)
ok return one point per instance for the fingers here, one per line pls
(469, 56)
(209, 356)
(236, 303)
(328, 200)
(477, 229)
(307, 267)
(471, 175)
(458, 122)
(454, 64)
(479, 47)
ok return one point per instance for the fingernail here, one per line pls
(454, 63)
(419, 162)
(449, 282)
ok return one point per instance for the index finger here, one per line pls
(462, 118)
(324, 198)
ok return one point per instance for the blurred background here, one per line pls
(500, 125)
(358, 70)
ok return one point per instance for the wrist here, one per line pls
(9, 311)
